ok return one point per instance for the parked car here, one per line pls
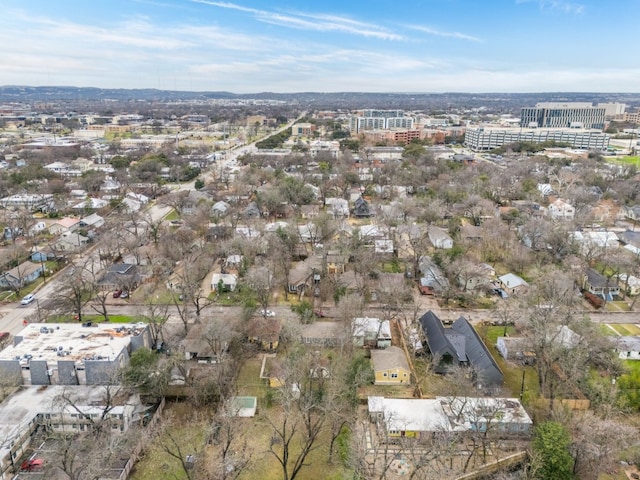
(320, 313)
(32, 464)
(28, 299)
(267, 313)
(117, 294)
(124, 294)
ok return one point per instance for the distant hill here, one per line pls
(15, 93)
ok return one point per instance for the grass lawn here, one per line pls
(605, 330)
(188, 428)
(626, 330)
(631, 365)
(5, 296)
(618, 306)
(92, 317)
(512, 372)
(173, 215)
(628, 160)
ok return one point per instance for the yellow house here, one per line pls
(390, 367)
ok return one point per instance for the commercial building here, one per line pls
(71, 354)
(563, 115)
(380, 120)
(488, 138)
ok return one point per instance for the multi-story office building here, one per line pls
(488, 138)
(563, 115)
(379, 120)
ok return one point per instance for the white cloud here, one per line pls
(557, 5)
(313, 22)
(442, 33)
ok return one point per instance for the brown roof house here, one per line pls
(265, 332)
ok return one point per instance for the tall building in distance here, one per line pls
(563, 115)
(379, 120)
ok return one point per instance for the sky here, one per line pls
(250, 46)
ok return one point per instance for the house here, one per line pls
(432, 280)
(70, 242)
(370, 233)
(322, 334)
(627, 348)
(120, 276)
(223, 282)
(629, 237)
(414, 418)
(208, 345)
(371, 332)
(390, 366)
(252, 211)
(480, 276)
(92, 221)
(589, 240)
(64, 225)
(24, 274)
(383, 246)
(361, 209)
(632, 213)
(440, 238)
(233, 262)
(130, 204)
(38, 227)
(515, 349)
(561, 210)
(459, 345)
(43, 255)
(264, 331)
(336, 262)
(91, 203)
(304, 274)
(630, 283)
(337, 207)
(513, 284)
(599, 285)
(220, 208)
(309, 212)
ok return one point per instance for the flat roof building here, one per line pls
(563, 115)
(70, 354)
(489, 138)
(29, 408)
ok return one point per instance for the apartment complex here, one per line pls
(563, 115)
(379, 120)
(488, 138)
(71, 354)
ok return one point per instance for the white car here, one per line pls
(267, 313)
(28, 299)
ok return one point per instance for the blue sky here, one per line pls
(249, 46)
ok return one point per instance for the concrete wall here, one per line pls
(100, 372)
(67, 372)
(11, 372)
(142, 340)
(39, 372)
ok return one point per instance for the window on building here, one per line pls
(394, 375)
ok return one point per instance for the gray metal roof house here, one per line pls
(459, 345)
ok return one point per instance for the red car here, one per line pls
(117, 294)
(33, 464)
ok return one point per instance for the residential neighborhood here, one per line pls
(365, 290)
